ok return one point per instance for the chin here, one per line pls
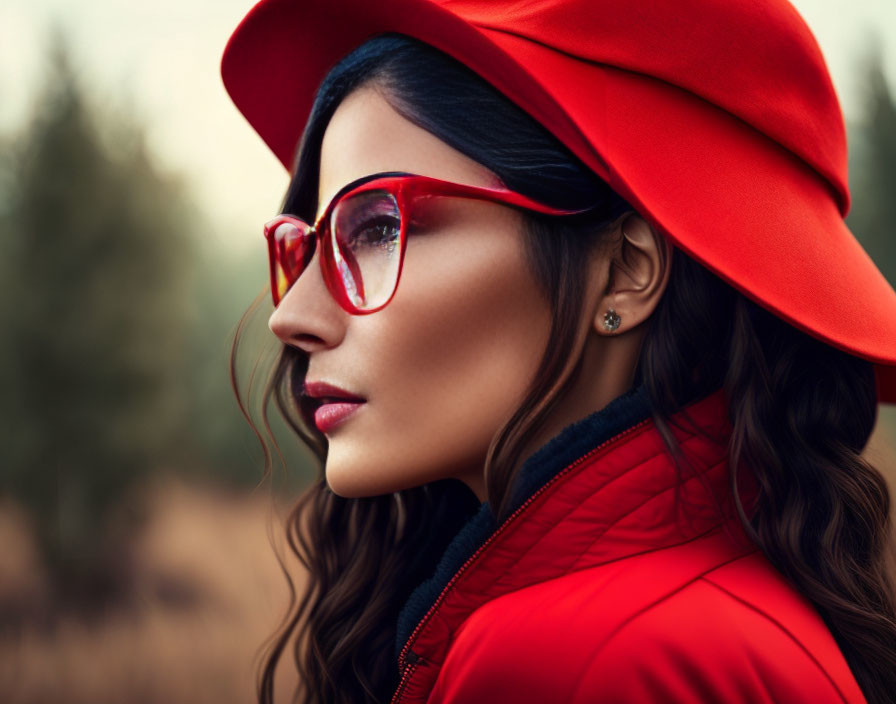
(354, 475)
(349, 483)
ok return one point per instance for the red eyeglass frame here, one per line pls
(406, 188)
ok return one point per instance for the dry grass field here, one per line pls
(210, 592)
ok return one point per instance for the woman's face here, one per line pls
(449, 359)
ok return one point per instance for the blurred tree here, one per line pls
(118, 304)
(872, 167)
(225, 447)
(872, 176)
(97, 256)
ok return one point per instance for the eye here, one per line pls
(382, 232)
(368, 223)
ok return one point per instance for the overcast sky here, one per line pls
(163, 58)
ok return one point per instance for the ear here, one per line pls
(639, 264)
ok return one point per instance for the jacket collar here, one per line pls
(602, 489)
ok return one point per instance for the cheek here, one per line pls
(446, 364)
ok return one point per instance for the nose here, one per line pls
(308, 317)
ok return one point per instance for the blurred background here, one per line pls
(138, 537)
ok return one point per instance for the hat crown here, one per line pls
(756, 59)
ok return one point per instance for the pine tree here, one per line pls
(873, 167)
(97, 256)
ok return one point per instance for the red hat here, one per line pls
(715, 119)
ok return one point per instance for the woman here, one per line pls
(587, 357)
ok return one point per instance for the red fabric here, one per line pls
(623, 582)
(716, 119)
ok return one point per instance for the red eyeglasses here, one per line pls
(363, 234)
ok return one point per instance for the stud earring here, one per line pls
(612, 320)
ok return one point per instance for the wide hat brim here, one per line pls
(744, 206)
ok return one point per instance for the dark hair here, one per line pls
(801, 411)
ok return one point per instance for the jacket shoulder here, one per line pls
(737, 633)
(722, 639)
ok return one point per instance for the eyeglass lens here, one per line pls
(365, 231)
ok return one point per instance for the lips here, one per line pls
(336, 404)
(328, 392)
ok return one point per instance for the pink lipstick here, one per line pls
(336, 404)
(330, 415)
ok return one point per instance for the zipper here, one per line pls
(407, 658)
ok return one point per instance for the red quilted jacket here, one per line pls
(616, 579)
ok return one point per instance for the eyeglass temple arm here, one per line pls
(501, 195)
